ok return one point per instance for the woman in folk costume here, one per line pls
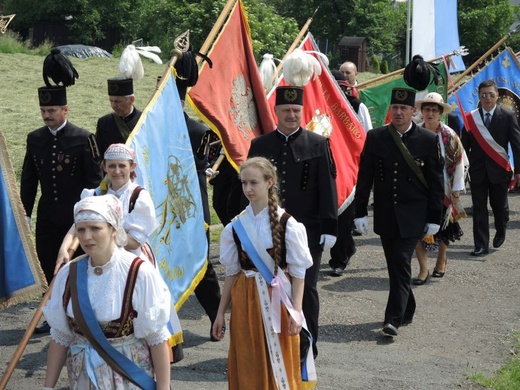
(257, 248)
(456, 164)
(139, 220)
(108, 310)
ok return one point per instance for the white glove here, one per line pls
(361, 224)
(211, 173)
(327, 241)
(28, 219)
(431, 228)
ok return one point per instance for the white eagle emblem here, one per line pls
(243, 108)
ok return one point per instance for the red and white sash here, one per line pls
(486, 141)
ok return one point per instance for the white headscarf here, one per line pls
(104, 208)
(119, 152)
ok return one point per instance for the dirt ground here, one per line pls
(463, 325)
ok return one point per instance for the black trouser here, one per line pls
(311, 303)
(208, 292)
(345, 247)
(499, 204)
(401, 302)
(48, 241)
(227, 193)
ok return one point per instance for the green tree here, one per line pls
(482, 23)
(161, 21)
(382, 22)
(88, 20)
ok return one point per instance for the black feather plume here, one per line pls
(59, 69)
(418, 73)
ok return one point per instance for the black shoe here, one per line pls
(420, 282)
(479, 252)
(43, 328)
(390, 330)
(178, 353)
(355, 233)
(336, 270)
(498, 240)
(437, 274)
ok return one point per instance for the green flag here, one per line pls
(377, 97)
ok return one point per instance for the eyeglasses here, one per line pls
(432, 110)
(485, 95)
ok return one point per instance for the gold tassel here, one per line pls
(429, 239)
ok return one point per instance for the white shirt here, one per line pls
(298, 256)
(150, 298)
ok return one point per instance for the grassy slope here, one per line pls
(88, 100)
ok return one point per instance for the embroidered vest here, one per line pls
(124, 325)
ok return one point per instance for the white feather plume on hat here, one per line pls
(268, 71)
(130, 65)
(301, 66)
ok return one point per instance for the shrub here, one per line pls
(384, 67)
(376, 65)
(10, 43)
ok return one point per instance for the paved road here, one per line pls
(463, 325)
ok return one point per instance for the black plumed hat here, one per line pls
(188, 70)
(52, 96)
(418, 73)
(120, 86)
(59, 69)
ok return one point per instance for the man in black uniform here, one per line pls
(114, 128)
(307, 175)
(64, 160)
(402, 162)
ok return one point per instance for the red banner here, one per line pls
(230, 97)
(324, 101)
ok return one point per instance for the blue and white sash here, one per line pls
(264, 263)
(119, 362)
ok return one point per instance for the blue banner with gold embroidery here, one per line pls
(504, 70)
(166, 168)
(21, 276)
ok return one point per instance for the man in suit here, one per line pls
(63, 159)
(402, 162)
(307, 175)
(114, 128)
(486, 144)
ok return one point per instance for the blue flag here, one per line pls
(166, 168)
(21, 276)
(504, 70)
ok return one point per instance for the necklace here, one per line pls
(98, 270)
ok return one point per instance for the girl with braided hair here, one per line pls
(265, 253)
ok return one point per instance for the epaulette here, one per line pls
(94, 150)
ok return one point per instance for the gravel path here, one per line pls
(463, 325)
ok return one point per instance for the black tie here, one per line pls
(487, 121)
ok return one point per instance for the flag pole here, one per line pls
(299, 37)
(484, 56)
(25, 339)
(216, 27)
(459, 51)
